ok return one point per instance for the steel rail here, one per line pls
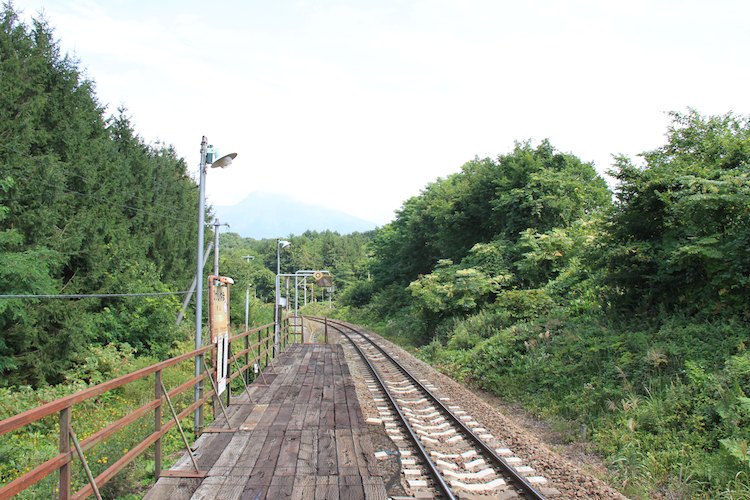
(437, 476)
(520, 481)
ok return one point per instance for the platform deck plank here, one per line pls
(300, 435)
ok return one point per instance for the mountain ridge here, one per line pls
(269, 215)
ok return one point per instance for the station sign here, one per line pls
(218, 324)
(322, 280)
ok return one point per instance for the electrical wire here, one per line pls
(88, 296)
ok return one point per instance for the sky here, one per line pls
(358, 105)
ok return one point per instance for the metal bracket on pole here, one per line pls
(221, 403)
(192, 286)
(178, 473)
(265, 382)
(237, 366)
(273, 357)
(86, 467)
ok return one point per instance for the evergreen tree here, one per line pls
(87, 207)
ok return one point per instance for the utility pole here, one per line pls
(222, 162)
(277, 296)
(216, 245)
(198, 389)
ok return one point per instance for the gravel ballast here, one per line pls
(567, 478)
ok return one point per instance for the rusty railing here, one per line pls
(256, 353)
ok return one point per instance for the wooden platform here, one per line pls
(302, 436)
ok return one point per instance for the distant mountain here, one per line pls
(266, 215)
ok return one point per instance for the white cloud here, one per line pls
(367, 102)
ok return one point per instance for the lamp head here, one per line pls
(284, 243)
(224, 161)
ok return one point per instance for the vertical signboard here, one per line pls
(218, 324)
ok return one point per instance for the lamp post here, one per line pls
(222, 162)
(279, 245)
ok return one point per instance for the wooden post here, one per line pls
(229, 372)
(325, 332)
(247, 357)
(267, 346)
(259, 353)
(157, 425)
(64, 485)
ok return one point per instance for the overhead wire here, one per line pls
(87, 295)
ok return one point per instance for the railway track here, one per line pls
(444, 452)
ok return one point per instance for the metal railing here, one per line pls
(255, 352)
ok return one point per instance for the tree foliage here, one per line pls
(518, 272)
(252, 264)
(87, 207)
(628, 317)
(532, 188)
(681, 226)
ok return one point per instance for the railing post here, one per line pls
(325, 332)
(198, 395)
(157, 424)
(267, 346)
(260, 337)
(247, 357)
(64, 485)
(229, 373)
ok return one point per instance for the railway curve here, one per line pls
(444, 451)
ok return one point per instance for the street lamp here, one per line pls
(279, 245)
(223, 162)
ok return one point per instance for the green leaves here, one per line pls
(531, 190)
(679, 229)
(737, 448)
(451, 289)
(629, 318)
(84, 203)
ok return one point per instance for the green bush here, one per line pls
(523, 305)
(358, 294)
